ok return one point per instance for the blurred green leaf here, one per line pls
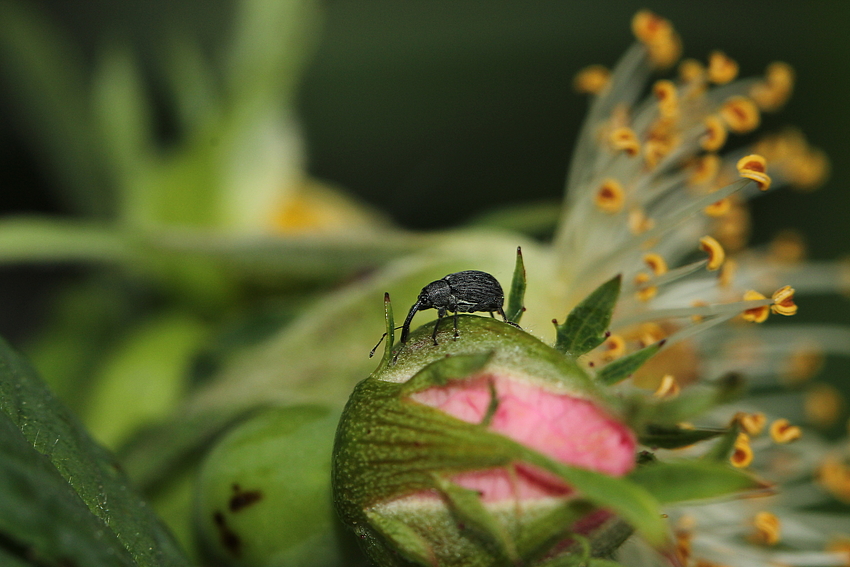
(622, 368)
(691, 480)
(48, 456)
(674, 437)
(45, 77)
(587, 323)
(34, 239)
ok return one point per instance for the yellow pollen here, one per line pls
(704, 169)
(754, 167)
(721, 68)
(610, 197)
(756, 314)
(805, 167)
(658, 36)
(768, 529)
(751, 423)
(691, 71)
(668, 98)
(668, 389)
(742, 453)
(656, 263)
(727, 273)
(781, 431)
(715, 252)
(715, 134)
(638, 221)
(624, 139)
(591, 79)
(783, 301)
(719, 208)
(823, 405)
(644, 293)
(615, 347)
(740, 114)
(834, 475)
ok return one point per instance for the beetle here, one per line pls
(462, 292)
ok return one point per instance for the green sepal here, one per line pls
(587, 324)
(722, 450)
(516, 299)
(542, 534)
(467, 507)
(407, 542)
(622, 368)
(674, 437)
(692, 480)
(444, 370)
(390, 325)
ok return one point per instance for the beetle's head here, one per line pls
(435, 294)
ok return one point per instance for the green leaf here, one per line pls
(29, 239)
(76, 474)
(674, 437)
(407, 542)
(622, 368)
(389, 333)
(467, 507)
(542, 534)
(692, 480)
(516, 299)
(588, 322)
(722, 450)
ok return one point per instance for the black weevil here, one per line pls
(462, 292)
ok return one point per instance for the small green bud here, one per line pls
(263, 494)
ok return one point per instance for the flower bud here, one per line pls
(479, 451)
(263, 494)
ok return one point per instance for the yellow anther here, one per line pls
(768, 529)
(823, 405)
(774, 91)
(610, 197)
(683, 545)
(719, 208)
(756, 314)
(727, 273)
(704, 169)
(788, 247)
(656, 263)
(591, 79)
(754, 167)
(715, 252)
(740, 114)
(650, 333)
(661, 140)
(804, 363)
(721, 68)
(657, 34)
(783, 301)
(691, 70)
(668, 388)
(781, 431)
(624, 139)
(834, 475)
(614, 348)
(742, 453)
(698, 303)
(802, 165)
(751, 423)
(638, 221)
(668, 98)
(733, 228)
(644, 293)
(715, 134)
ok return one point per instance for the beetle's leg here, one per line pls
(491, 315)
(502, 313)
(456, 333)
(440, 314)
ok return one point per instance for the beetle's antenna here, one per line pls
(372, 352)
(405, 329)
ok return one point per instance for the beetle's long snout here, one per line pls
(405, 329)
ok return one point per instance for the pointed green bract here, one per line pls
(722, 450)
(692, 480)
(588, 322)
(675, 437)
(622, 368)
(516, 299)
(390, 330)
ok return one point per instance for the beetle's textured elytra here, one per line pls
(462, 292)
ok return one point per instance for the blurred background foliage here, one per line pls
(125, 124)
